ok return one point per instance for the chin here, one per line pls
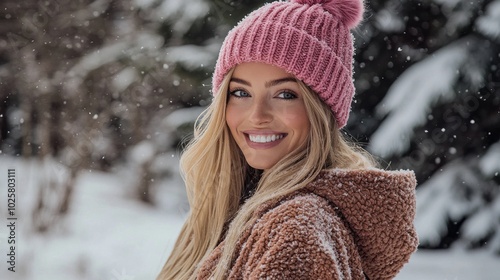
(261, 165)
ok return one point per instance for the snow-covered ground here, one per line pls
(107, 235)
(451, 265)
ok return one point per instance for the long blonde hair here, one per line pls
(214, 171)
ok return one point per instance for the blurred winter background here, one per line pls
(97, 97)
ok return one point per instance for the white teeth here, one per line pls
(265, 138)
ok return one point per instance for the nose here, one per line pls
(260, 112)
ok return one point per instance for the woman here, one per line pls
(275, 191)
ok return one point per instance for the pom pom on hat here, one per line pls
(310, 39)
(349, 12)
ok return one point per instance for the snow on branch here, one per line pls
(489, 24)
(183, 116)
(410, 98)
(483, 223)
(90, 62)
(192, 56)
(182, 13)
(490, 162)
(141, 42)
(442, 198)
(98, 58)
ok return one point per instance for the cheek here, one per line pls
(296, 117)
(297, 120)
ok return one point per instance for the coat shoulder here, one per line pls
(302, 237)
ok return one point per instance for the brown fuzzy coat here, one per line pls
(347, 224)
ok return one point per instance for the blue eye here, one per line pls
(239, 93)
(287, 95)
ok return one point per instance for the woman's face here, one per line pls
(266, 113)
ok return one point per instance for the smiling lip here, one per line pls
(263, 140)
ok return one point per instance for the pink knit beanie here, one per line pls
(310, 39)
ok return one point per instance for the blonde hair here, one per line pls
(214, 171)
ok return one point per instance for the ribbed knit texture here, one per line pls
(311, 41)
(344, 225)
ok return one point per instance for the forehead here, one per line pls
(259, 70)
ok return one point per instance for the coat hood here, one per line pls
(379, 207)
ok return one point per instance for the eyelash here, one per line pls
(293, 95)
(232, 93)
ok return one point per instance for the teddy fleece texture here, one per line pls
(347, 224)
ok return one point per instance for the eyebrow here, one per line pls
(267, 84)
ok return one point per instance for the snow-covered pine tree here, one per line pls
(428, 82)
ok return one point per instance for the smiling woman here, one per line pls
(275, 191)
(266, 114)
